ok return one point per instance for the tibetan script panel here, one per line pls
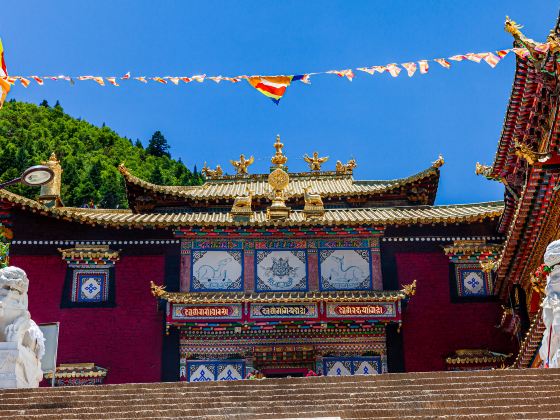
(185, 312)
(216, 270)
(361, 310)
(283, 310)
(281, 270)
(345, 269)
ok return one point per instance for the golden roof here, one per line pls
(283, 297)
(327, 184)
(374, 216)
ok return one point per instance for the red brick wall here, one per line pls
(126, 339)
(433, 327)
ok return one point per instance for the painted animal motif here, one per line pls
(341, 274)
(312, 199)
(210, 274)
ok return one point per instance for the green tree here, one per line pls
(158, 145)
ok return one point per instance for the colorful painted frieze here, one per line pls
(209, 312)
(283, 310)
(372, 310)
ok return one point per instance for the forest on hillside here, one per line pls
(89, 155)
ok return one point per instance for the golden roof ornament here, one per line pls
(525, 152)
(514, 29)
(315, 162)
(242, 164)
(212, 173)
(346, 169)
(278, 181)
(279, 159)
(241, 210)
(439, 162)
(313, 208)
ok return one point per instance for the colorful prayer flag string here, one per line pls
(272, 86)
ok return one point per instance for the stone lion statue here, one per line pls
(19, 334)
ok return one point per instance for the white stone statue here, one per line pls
(22, 344)
(550, 348)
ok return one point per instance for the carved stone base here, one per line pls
(19, 367)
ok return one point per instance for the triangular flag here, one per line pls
(159, 80)
(126, 76)
(174, 80)
(273, 87)
(393, 69)
(459, 57)
(369, 70)
(542, 48)
(410, 68)
(216, 79)
(474, 57)
(38, 80)
(491, 59)
(521, 52)
(199, 78)
(185, 79)
(303, 78)
(348, 73)
(25, 82)
(99, 80)
(112, 80)
(141, 79)
(443, 62)
(424, 66)
(502, 53)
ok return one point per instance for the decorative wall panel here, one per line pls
(216, 270)
(471, 281)
(345, 269)
(211, 311)
(90, 285)
(281, 270)
(345, 366)
(284, 310)
(215, 370)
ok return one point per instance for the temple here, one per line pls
(281, 272)
(527, 163)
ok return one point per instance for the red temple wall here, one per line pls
(126, 339)
(433, 326)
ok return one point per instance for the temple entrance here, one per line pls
(285, 373)
(284, 361)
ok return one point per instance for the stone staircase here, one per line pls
(499, 394)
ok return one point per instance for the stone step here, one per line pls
(484, 394)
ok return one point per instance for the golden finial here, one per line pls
(212, 173)
(409, 289)
(279, 159)
(439, 162)
(315, 162)
(242, 164)
(157, 291)
(278, 181)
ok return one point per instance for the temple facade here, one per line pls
(281, 272)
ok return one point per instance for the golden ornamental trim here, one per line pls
(90, 252)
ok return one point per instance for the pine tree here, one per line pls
(158, 145)
(139, 144)
(156, 177)
(44, 103)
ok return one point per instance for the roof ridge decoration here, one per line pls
(242, 164)
(279, 159)
(315, 161)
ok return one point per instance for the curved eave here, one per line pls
(376, 216)
(333, 186)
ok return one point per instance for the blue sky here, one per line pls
(393, 127)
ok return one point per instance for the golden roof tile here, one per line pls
(374, 216)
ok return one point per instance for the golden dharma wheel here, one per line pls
(278, 179)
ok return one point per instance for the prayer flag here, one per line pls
(4, 84)
(410, 68)
(185, 79)
(393, 69)
(199, 78)
(174, 80)
(473, 57)
(502, 53)
(141, 79)
(459, 57)
(272, 87)
(542, 48)
(521, 52)
(369, 70)
(443, 62)
(38, 80)
(112, 80)
(216, 79)
(25, 82)
(348, 73)
(98, 80)
(160, 80)
(424, 66)
(126, 76)
(491, 59)
(303, 78)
